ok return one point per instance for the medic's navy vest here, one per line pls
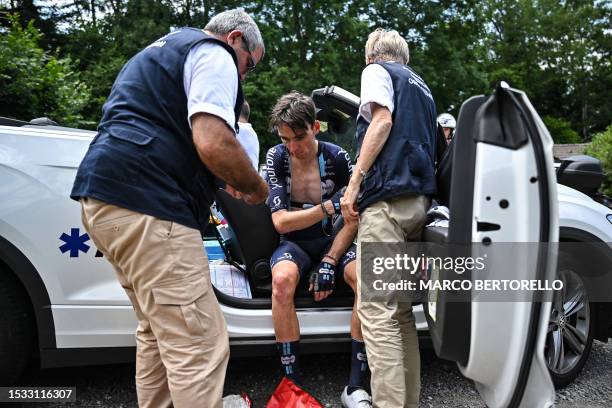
(405, 165)
(143, 157)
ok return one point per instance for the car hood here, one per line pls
(570, 195)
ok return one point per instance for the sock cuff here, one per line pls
(288, 348)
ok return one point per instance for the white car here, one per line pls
(62, 305)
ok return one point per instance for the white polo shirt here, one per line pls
(210, 79)
(376, 86)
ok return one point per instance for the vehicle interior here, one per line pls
(498, 119)
(256, 238)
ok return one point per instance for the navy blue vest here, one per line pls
(143, 157)
(405, 165)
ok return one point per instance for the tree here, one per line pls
(446, 49)
(35, 83)
(43, 14)
(601, 148)
(308, 46)
(561, 130)
(558, 52)
(575, 44)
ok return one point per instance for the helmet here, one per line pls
(446, 120)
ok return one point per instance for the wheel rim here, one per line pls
(568, 327)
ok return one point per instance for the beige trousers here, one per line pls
(182, 343)
(389, 329)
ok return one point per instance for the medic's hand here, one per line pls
(258, 196)
(233, 192)
(348, 205)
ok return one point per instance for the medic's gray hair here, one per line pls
(230, 20)
(387, 45)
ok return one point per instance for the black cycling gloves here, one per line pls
(323, 278)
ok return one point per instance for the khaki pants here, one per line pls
(182, 343)
(389, 329)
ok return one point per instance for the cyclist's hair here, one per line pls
(295, 110)
(230, 20)
(387, 45)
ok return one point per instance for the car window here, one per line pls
(340, 130)
(337, 112)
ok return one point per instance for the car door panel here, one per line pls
(502, 193)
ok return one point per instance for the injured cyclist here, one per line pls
(307, 178)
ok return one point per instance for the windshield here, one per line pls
(337, 112)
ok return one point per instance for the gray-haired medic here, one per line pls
(389, 194)
(146, 184)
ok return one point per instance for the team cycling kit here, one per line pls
(307, 246)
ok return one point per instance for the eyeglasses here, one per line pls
(251, 61)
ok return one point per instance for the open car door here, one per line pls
(502, 191)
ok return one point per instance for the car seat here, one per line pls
(455, 175)
(256, 240)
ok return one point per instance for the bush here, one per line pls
(560, 130)
(601, 148)
(34, 83)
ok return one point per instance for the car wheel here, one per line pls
(16, 329)
(570, 329)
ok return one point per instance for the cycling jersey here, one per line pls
(335, 170)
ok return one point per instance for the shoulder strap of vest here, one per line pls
(383, 64)
(212, 38)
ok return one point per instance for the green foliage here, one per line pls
(601, 148)
(557, 52)
(308, 46)
(560, 130)
(35, 83)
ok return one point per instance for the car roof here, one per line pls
(48, 126)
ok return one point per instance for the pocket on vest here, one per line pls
(131, 136)
(371, 183)
(419, 159)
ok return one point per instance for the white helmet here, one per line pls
(446, 120)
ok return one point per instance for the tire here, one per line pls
(571, 325)
(16, 329)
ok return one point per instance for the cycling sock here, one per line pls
(289, 359)
(359, 366)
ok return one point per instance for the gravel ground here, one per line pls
(325, 377)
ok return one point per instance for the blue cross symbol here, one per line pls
(74, 242)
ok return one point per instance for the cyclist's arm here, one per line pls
(285, 221)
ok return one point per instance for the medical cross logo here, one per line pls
(74, 242)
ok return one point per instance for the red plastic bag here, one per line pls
(289, 395)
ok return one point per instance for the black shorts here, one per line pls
(308, 254)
